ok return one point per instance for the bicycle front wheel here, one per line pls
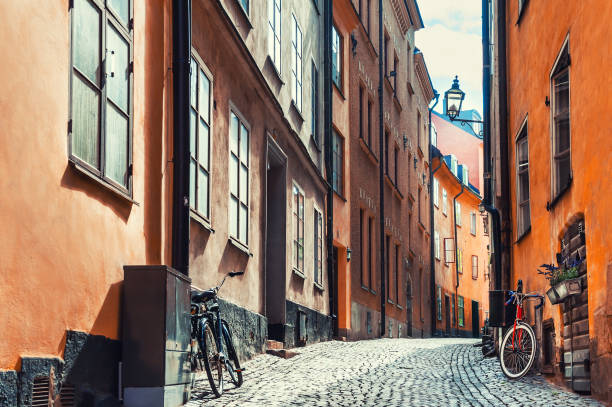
(212, 362)
(518, 351)
(232, 363)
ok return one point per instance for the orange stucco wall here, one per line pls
(64, 238)
(529, 66)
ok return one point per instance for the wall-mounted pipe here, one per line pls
(181, 57)
(381, 162)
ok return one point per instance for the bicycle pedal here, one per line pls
(239, 370)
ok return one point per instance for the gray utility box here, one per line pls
(156, 337)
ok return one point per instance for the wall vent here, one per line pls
(41, 392)
(67, 396)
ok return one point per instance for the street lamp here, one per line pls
(454, 99)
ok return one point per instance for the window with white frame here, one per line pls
(437, 244)
(199, 138)
(458, 213)
(523, 218)
(466, 174)
(296, 63)
(460, 261)
(436, 192)
(475, 267)
(453, 161)
(439, 303)
(100, 126)
(434, 135)
(298, 228)
(449, 250)
(473, 223)
(318, 244)
(336, 57)
(444, 202)
(337, 162)
(239, 179)
(561, 140)
(314, 103)
(274, 32)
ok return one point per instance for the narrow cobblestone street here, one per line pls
(386, 372)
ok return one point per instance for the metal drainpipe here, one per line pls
(381, 180)
(456, 254)
(432, 265)
(327, 106)
(181, 57)
(487, 200)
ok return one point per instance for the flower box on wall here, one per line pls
(564, 289)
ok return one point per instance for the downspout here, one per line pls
(327, 107)
(457, 253)
(487, 203)
(181, 57)
(432, 260)
(381, 175)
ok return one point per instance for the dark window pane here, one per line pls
(192, 131)
(563, 135)
(86, 39)
(524, 187)
(525, 216)
(85, 121)
(121, 8)
(563, 172)
(116, 148)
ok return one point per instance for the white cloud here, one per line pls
(452, 45)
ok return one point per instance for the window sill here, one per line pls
(474, 278)
(390, 301)
(420, 151)
(388, 84)
(522, 236)
(315, 141)
(275, 69)
(396, 102)
(551, 205)
(244, 14)
(393, 187)
(438, 259)
(399, 306)
(318, 286)
(421, 226)
(203, 222)
(338, 90)
(373, 291)
(297, 111)
(410, 88)
(299, 273)
(240, 246)
(410, 197)
(340, 196)
(84, 171)
(366, 149)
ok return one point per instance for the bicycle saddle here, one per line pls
(202, 296)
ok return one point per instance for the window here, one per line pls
(561, 140)
(369, 123)
(395, 63)
(364, 267)
(298, 229)
(337, 162)
(361, 91)
(388, 264)
(437, 244)
(436, 192)
(522, 174)
(397, 267)
(387, 152)
(314, 96)
(336, 57)
(199, 139)
(439, 302)
(296, 64)
(370, 250)
(465, 174)
(449, 250)
(274, 33)
(239, 180)
(368, 16)
(419, 130)
(245, 5)
(458, 213)
(318, 244)
(386, 55)
(100, 128)
(473, 223)
(395, 165)
(434, 136)
(475, 267)
(460, 261)
(453, 160)
(444, 202)
(460, 309)
(419, 206)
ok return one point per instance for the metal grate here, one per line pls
(67, 395)
(40, 392)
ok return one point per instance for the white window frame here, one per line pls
(458, 212)
(296, 217)
(194, 202)
(522, 226)
(242, 201)
(436, 192)
(318, 246)
(444, 201)
(473, 223)
(296, 63)
(274, 33)
(437, 244)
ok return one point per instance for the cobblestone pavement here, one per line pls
(385, 372)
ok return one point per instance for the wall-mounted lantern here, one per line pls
(348, 254)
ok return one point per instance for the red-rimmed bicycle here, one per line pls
(519, 346)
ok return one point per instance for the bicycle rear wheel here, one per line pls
(518, 351)
(212, 361)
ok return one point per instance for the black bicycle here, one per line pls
(211, 339)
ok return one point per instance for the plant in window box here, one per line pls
(563, 280)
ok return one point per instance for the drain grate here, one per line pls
(40, 392)
(67, 395)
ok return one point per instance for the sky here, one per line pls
(452, 45)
